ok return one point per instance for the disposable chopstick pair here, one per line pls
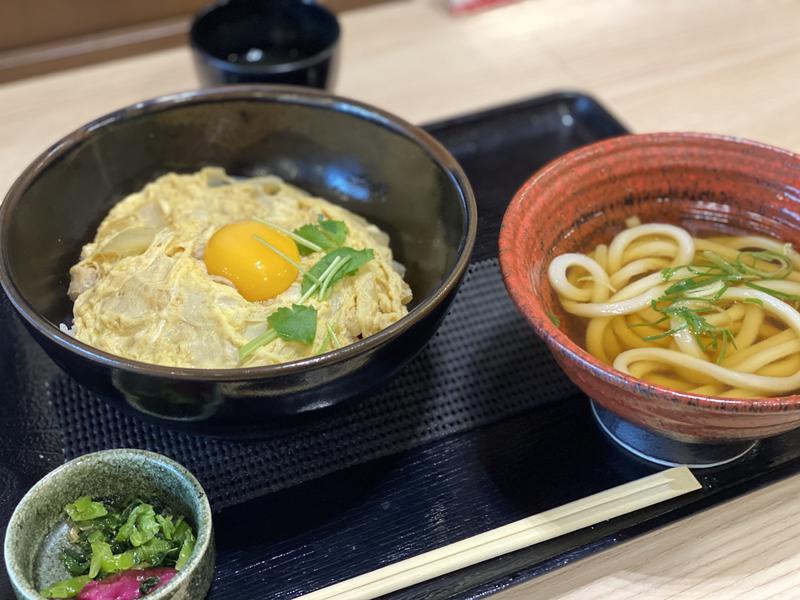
(538, 528)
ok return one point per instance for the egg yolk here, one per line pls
(257, 271)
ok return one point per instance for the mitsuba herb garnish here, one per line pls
(299, 323)
(325, 235)
(350, 261)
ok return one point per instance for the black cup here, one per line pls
(266, 41)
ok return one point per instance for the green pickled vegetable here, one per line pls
(75, 559)
(140, 527)
(84, 509)
(69, 588)
(167, 526)
(106, 538)
(101, 555)
(184, 534)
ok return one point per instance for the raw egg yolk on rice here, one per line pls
(248, 254)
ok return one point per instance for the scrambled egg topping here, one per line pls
(141, 289)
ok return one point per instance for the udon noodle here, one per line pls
(714, 316)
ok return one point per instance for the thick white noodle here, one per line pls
(628, 275)
(557, 273)
(612, 309)
(623, 239)
(736, 379)
(635, 268)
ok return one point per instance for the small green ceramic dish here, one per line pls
(36, 531)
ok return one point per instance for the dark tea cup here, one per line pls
(266, 41)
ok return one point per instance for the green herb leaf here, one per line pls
(68, 588)
(327, 235)
(84, 509)
(298, 323)
(335, 231)
(553, 318)
(355, 259)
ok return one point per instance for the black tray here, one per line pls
(364, 517)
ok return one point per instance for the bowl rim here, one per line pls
(251, 93)
(558, 341)
(256, 69)
(204, 538)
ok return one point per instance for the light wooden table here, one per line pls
(729, 66)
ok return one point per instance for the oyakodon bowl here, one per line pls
(372, 163)
(705, 183)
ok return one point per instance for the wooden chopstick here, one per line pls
(531, 530)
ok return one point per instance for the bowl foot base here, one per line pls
(665, 451)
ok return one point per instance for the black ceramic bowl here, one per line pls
(266, 41)
(373, 163)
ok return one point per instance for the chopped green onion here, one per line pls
(719, 262)
(686, 299)
(783, 270)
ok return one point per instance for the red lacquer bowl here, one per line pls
(705, 183)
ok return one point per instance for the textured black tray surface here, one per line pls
(529, 447)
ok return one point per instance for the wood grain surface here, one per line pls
(727, 66)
